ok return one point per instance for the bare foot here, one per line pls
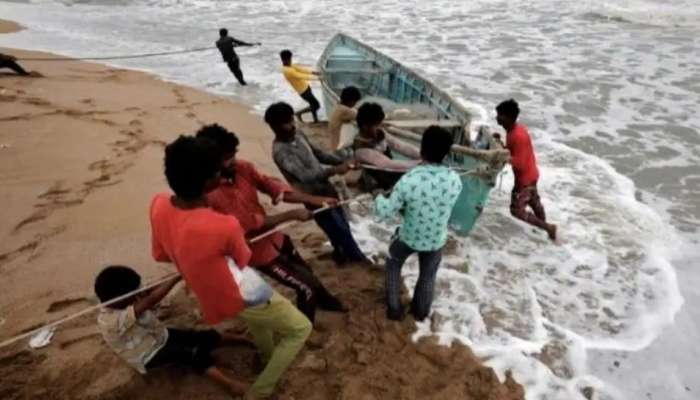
(298, 115)
(552, 232)
(237, 389)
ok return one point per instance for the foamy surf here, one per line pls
(535, 308)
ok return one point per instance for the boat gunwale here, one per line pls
(339, 37)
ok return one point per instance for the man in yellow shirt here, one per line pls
(299, 78)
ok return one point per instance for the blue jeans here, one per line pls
(423, 293)
(336, 227)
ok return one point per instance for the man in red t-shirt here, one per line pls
(274, 255)
(522, 158)
(204, 244)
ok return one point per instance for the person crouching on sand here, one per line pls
(210, 252)
(524, 163)
(274, 255)
(301, 163)
(8, 61)
(132, 330)
(374, 149)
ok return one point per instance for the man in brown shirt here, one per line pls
(344, 113)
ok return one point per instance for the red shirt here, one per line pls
(240, 199)
(198, 242)
(522, 156)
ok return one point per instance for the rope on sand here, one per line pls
(165, 278)
(119, 57)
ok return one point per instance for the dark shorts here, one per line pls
(522, 197)
(187, 348)
(308, 95)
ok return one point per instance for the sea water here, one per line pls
(610, 91)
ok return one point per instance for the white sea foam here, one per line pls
(608, 91)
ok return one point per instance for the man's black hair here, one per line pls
(226, 140)
(436, 144)
(509, 108)
(369, 114)
(285, 54)
(278, 114)
(115, 281)
(189, 163)
(350, 94)
(223, 32)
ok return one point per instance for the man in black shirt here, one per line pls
(226, 44)
(7, 61)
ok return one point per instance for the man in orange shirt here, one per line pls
(210, 252)
(274, 255)
(299, 78)
(525, 169)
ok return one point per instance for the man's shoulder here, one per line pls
(245, 166)
(160, 201)
(521, 130)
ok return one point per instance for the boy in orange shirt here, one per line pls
(274, 255)
(210, 252)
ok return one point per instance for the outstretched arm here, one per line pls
(155, 296)
(271, 221)
(237, 43)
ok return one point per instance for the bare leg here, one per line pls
(301, 112)
(235, 387)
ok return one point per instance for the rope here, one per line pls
(162, 280)
(120, 57)
(460, 171)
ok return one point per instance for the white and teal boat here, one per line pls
(412, 104)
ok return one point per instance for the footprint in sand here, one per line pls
(135, 122)
(36, 217)
(191, 115)
(70, 342)
(100, 164)
(61, 305)
(88, 101)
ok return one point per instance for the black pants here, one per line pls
(292, 271)
(187, 348)
(336, 227)
(13, 66)
(429, 261)
(309, 97)
(234, 64)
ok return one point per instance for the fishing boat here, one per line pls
(411, 104)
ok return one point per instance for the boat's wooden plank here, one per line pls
(423, 123)
(355, 70)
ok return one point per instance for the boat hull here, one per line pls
(380, 78)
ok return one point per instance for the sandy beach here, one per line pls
(80, 158)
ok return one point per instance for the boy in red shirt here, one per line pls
(525, 169)
(210, 252)
(274, 255)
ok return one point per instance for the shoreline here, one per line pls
(7, 26)
(83, 157)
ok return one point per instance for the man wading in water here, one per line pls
(226, 46)
(524, 168)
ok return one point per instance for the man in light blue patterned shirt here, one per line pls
(424, 197)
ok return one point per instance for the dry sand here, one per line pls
(80, 158)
